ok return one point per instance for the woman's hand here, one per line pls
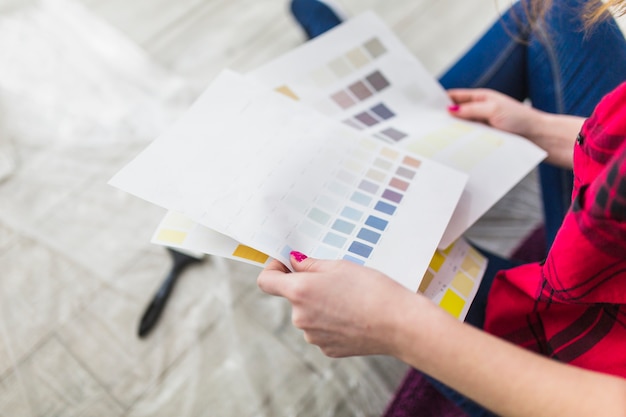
(344, 308)
(556, 134)
(495, 109)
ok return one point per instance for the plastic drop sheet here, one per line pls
(77, 101)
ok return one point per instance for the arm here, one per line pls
(349, 310)
(554, 133)
(507, 379)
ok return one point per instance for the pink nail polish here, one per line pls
(299, 257)
(453, 108)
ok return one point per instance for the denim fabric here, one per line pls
(314, 16)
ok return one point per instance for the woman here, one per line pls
(555, 332)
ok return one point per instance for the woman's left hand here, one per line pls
(344, 308)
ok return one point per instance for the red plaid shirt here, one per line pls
(572, 307)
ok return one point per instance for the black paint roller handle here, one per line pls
(180, 261)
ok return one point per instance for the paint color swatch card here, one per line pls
(360, 74)
(178, 231)
(453, 277)
(275, 175)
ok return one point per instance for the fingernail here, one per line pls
(454, 108)
(299, 257)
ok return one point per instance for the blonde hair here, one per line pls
(533, 12)
(594, 12)
(598, 10)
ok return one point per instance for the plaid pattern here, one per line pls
(610, 198)
(572, 307)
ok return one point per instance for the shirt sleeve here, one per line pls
(610, 191)
(600, 207)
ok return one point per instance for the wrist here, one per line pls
(538, 125)
(556, 134)
(414, 322)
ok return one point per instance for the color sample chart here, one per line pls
(358, 211)
(343, 65)
(350, 216)
(356, 91)
(278, 176)
(360, 74)
(453, 278)
(360, 90)
(370, 117)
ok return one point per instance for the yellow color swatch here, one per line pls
(470, 266)
(437, 261)
(472, 153)
(428, 278)
(475, 253)
(175, 237)
(283, 89)
(437, 141)
(250, 254)
(452, 303)
(449, 249)
(463, 284)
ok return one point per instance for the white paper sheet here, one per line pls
(361, 74)
(277, 176)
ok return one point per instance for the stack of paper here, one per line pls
(341, 149)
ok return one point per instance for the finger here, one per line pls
(275, 265)
(479, 111)
(465, 95)
(274, 279)
(302, 263)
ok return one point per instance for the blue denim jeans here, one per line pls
(556, 65)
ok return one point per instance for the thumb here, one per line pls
(480, 111)
(302, 263)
